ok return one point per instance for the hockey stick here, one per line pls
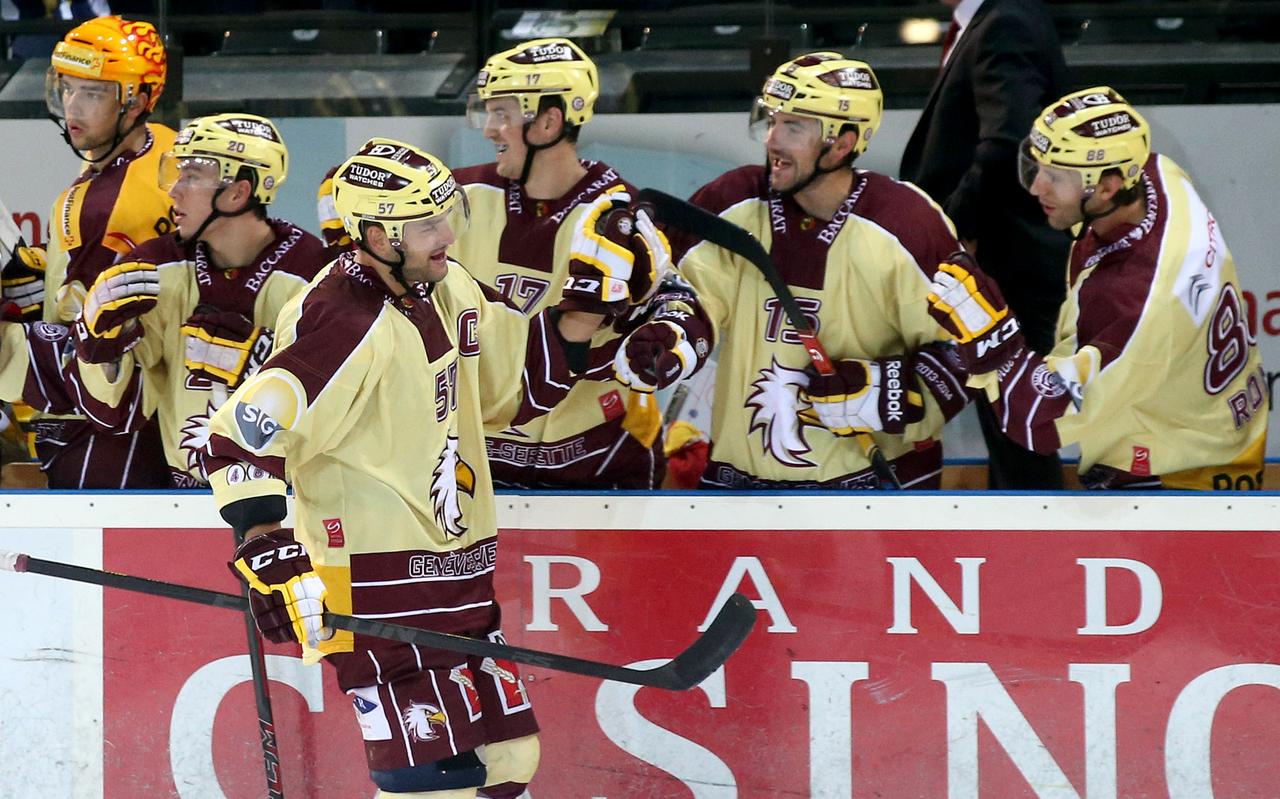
(707, 653)
(262, 698)
(721, 232)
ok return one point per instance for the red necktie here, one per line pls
(952, 32)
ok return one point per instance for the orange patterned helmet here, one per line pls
(127, 53)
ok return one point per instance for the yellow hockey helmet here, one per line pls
(835, 90)
(127, 53)
(230, 143)
(393, 183)
(1089, 132)
(535, 69)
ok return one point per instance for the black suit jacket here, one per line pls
(1006, 67)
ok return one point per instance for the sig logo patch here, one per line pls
(256, 426)
(272, 401)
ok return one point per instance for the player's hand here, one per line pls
(92, 349)
(286, 595)
(120, 294)
(333, 232)
(224, 346)
(664, 350)
(865, 396)
(601, 260)
(968, 305)
(23, 281)
(653, 257)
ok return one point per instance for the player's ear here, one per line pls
(845, 142)
(1108, 185)
(134, 109)
(550, 121)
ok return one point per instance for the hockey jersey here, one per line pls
(1155, 373)
(102, 216)
(861, 278)
(182, 402)
(519, 247)
(374, 407)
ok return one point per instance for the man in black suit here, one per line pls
(1002, 63)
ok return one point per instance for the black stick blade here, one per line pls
(724, 635)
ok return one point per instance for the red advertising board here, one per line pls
(899, 663)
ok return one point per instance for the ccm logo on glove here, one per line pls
(286, 552)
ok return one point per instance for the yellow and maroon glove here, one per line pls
(286, 595)
(23, 281)
(969, 306)
(224, 346)
(617, 257)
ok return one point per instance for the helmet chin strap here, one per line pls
(214, 213)
(817, 172)
(1088, 218)
(118, 137)
(396, 266)
(531, 149)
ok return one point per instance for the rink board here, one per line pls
(930, 646)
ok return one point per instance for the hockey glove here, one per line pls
(335, 235)
(91, 349)
(663, 351)
(600, 257)
(286, 595)
(224, 346)
(121, 294)
(23, 281)
(653, 258)
(969, 306)
(872, 396)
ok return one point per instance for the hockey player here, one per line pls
(532, 102)
(857, 249)
(196, 310)
(104, 80)
(385, 373)
(1155, 373)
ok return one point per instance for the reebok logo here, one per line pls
(891, 380)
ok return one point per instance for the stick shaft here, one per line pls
(723, 233)
(262, 699)
(726, 633)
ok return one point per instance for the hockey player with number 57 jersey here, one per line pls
(1155, 373)
(374, 404)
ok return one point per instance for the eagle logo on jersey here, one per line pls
(451, 477)
(419, 720)
(195, 439)
(774, 413)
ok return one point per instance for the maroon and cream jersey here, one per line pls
(374, 406)
(183, 402)
(519, 246)
(103, 216)
(861, 278)
(1155, 373)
